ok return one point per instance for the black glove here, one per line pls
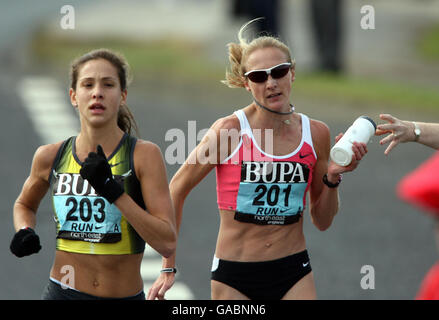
(98, 173)
(25, 242)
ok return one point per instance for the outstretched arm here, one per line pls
(208, 153)
(185, 179)
(404, 131)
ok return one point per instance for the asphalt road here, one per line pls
(372, 227)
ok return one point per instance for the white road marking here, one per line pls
(52, 116)
(54, 120)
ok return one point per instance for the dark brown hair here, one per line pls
(125, 119)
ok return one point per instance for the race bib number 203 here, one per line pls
(81, 214)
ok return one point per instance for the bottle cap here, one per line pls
(371, 121)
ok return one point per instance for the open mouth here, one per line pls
(273, 95)
(97, 108)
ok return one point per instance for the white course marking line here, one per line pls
(53, 118)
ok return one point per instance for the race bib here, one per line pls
(81, 214)
(271, 192)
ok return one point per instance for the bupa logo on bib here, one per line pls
(274, 172)
(72, 184)
(271, 192)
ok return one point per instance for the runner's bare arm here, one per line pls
(208, 153)
(158, 227)
(35, 187)
(323, 200)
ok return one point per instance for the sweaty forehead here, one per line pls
(265, 58)
(98, 68)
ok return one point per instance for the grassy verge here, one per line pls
(179, 61)
(367, 91)
(172, 59)
(429, 44)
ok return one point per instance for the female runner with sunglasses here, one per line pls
(110, 192)
(262, 181)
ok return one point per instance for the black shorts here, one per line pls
(268, 280)
(54, 291)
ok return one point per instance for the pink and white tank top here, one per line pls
(262, 188)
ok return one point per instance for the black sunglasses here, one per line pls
(276, 72)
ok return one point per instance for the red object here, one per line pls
(421, 187)
(430, 285)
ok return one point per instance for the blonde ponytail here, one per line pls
(239, 52)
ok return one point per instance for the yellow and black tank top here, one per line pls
(86, 222)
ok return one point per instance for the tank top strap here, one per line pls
(243, 122)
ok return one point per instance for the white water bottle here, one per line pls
(360, 131)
